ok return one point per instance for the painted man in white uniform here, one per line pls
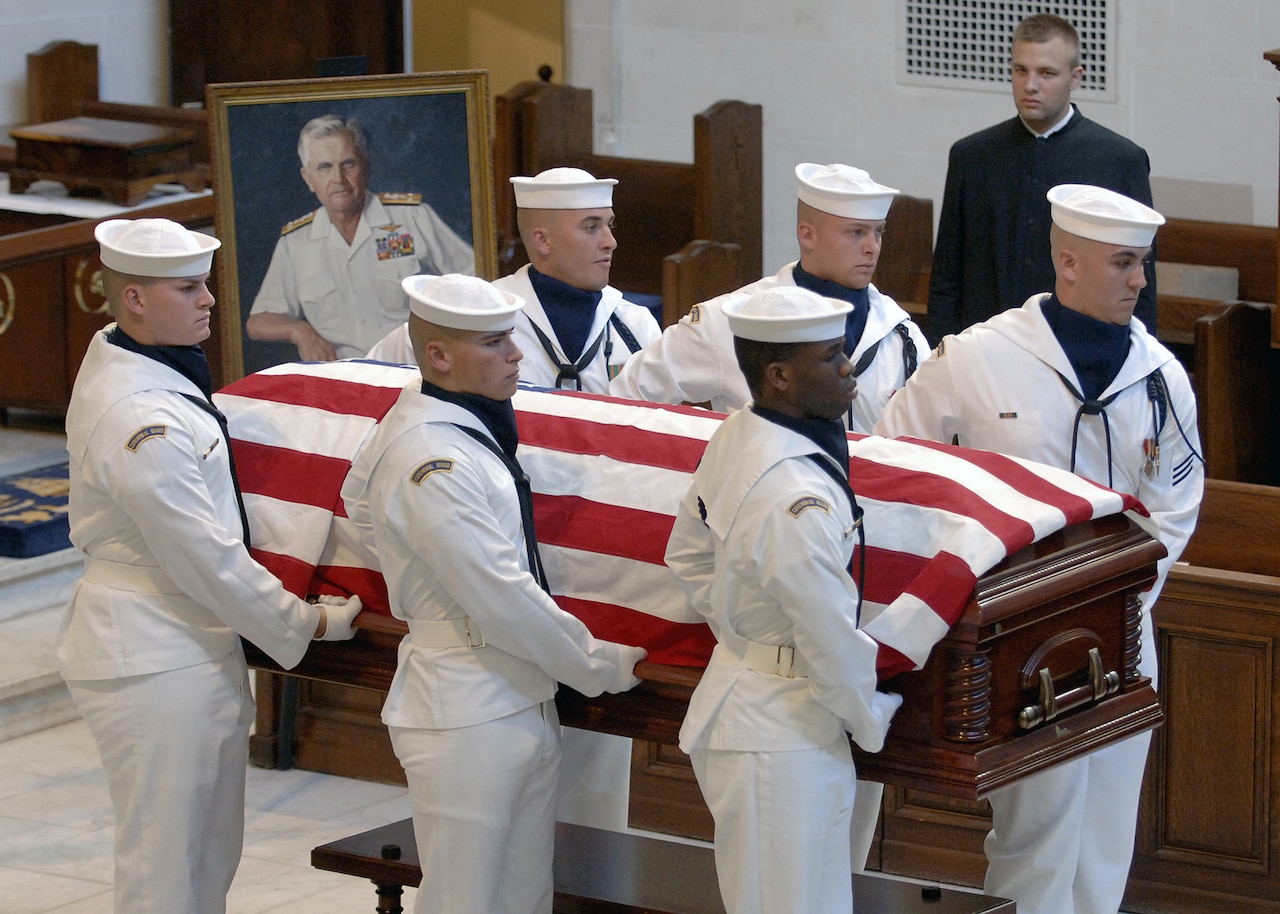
(471, 708)
(150, 645)
(576, 330)
(763, 544)
(1071, 379)
(333, 285)
(840, 216)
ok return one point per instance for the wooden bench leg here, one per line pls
(389, 898)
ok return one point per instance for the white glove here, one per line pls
(337, 614)
(625, 678)
(873, 726)
(866, 712)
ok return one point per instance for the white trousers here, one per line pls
(174, 749)
(782, 827)
(484, 812)
(1062, 840)
(595, 779)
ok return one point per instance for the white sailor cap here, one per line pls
(159, 248)
(1103, 215)
(564, 188)
(461, 302)
(843, 190)
(787, 314)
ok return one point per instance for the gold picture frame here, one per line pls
(428, 138)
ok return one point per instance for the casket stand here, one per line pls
(1040, 668)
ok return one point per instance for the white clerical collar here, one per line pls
(1071, 109)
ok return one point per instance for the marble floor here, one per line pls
(56, 831)
(56, 821)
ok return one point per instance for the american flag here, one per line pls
(608, 476)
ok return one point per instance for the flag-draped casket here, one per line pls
(608, 475)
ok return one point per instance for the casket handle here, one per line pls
(1101, 684)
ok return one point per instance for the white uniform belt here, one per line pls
(133, 578)
(778, 659)
(462, 632)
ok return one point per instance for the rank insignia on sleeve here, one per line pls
(805, 502)
(146, 433)
(427, 467)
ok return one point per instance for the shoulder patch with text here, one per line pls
(805, 502)
(427, 467)
(146, 433)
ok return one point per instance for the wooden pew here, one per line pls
(1222, 343)
(1233, 383)
(906, 259)
(662, 207)
(1250, 249)
(1211, 801)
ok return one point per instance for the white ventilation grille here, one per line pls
(965, 44)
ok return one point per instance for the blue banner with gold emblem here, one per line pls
(33, 512)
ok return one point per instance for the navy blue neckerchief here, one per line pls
(499, 417)
(856, 320)
(1096, 351)
(829, 436)
(192, 364)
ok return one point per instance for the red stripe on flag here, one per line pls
(674, 643)
(346, 580)
(622, 443)
(292, 476)
(928, 490)
(890, 662)
(944, 585)
(576, 523)
(347, 398)
(293, 573)
(1028, 482)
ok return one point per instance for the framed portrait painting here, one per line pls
(329, 192)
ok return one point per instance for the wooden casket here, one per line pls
(1003, 593)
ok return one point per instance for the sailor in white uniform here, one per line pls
(841, 215)
(150, 644)
(763, 543)
(576, 330)
(1071, 379)
(448, 510)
